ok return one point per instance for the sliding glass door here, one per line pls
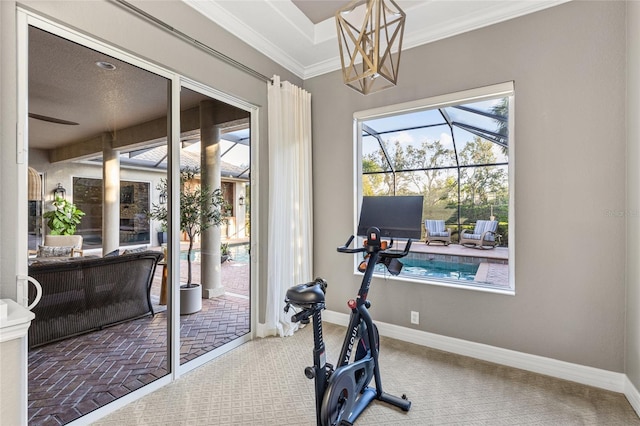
(215, 162)
(103, 138)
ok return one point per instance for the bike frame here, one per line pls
(359, 315)
(319, 363)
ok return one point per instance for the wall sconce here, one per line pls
(163, 198)
(241, 200)
(59, 191)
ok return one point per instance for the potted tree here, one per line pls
(65, 217)
(162, 233)
(200, 208)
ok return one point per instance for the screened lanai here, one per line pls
(138, 196)
(456, 156)
(234, 153)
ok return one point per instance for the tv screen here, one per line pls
(396, 217)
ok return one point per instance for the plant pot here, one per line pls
(224, 258)
(190, 298)
(162, 238)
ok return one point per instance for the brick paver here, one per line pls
(73, 377)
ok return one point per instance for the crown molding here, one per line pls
(214, 11)
(280, 31)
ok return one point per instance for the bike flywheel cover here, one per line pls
(339, 399)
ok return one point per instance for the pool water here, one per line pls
(239, 254)
(424, 268)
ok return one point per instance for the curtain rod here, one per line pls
(198, 44)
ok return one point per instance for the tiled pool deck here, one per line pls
(497, 254)
(493, 263)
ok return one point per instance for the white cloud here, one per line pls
(445, 139)
(404, 137)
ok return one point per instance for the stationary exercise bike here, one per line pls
(343, 392)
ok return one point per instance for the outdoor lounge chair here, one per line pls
(73, 241)
(483, 235)
(435, 231)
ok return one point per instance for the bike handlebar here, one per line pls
(386, 253)
(345, 248)
(397, 253)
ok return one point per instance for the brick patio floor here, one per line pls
(73, 377)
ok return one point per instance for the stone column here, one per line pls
(110, 195)
(210, 177)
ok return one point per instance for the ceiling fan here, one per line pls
(52, 119)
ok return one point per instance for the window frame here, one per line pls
(506, 89)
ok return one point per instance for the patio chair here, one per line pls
(435, 231)
(483, 235)
(74, 241)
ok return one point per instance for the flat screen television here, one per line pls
(396, 217)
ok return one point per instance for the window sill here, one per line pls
(470, 285)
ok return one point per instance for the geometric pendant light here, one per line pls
(370, 37)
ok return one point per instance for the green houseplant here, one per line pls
(196, 214)
(225, 252)
(65, 217)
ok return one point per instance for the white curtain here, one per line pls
(290, 199)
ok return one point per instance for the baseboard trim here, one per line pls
(633, 395)
(609, 380)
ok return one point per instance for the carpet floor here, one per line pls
(262, 383)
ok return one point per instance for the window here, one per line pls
(453, 150)
(134, 205)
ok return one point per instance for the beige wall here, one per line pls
(568, 65)
(632, 367)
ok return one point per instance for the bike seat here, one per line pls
(306, 294)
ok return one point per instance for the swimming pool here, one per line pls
(239, 253)
(426, 268)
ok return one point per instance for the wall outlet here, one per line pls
(415, 317)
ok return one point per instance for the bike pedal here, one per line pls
(305, 321)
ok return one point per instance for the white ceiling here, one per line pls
(301, 36)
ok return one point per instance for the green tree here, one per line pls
(429, 169)
(428, 161)
(480, 185)
(501, 109)
(419, 170)
(200, 208)
(371, 182)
